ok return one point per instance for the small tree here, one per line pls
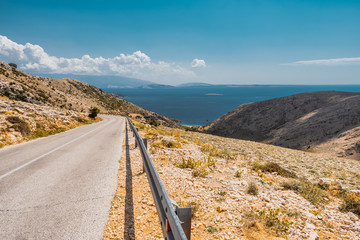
(13, 65)
(94, 111)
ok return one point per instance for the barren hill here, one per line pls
(66, 94)
(326, 121)
(238, 189)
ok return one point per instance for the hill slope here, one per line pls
(233, 191)
(319, 121)
(66, 94)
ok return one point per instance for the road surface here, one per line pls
(61, 187)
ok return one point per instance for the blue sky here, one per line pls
(244, 42)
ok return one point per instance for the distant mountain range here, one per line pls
(195, 84)
(121, 82)
(105, 81)
(152, 86)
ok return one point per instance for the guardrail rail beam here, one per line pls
(175, 224)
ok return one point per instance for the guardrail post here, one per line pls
(184, 215)
(145, 143)
(136, 144)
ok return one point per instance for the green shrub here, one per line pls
(212, 229)
(154, 123)
(201, 168)
(312, 192)
(170, 144)
(271, 219)
(222, 193)
(14, 65)
(14, 119)
(351, 203)
(238, 174)
(252, 189)
(6, 93)
(94, 111)
(19, 125)
(200, 172)
(187, 163)
(273, 167)
(20, 97)
(22, 127)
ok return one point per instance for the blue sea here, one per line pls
(201, 105)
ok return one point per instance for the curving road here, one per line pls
(61, 187)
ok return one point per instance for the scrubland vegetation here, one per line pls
(265, 174)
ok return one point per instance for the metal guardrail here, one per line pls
(175, 223)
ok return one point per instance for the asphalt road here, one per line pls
(61, 187)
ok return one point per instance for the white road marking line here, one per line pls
(54, 150)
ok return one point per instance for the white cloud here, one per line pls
(328, 62)
(196, 63)
(137, 65)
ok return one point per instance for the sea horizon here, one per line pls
(200, 105)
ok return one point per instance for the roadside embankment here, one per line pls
(238, 189)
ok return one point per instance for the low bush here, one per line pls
(222, 193)
(20, 97)
(171, 144)
(351, 203)
(14, 119)
(273, 167)
(212, 229)
(200, 168)
(22, 127)
(19, 125)
(252, 189)
(213, 151)
(154, 123)
(187, 163)
(310, 191)
(165, 143)
(14, 65)
(94, 111)
(272, 219)
(238, 174)
(200, 172)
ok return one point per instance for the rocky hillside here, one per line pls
(238, 189)
(327, 121)
(20, 121)
(66, 94)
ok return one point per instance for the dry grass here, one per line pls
(20, 127)
(201, 168)
(41, 131)
(310, 191)
(308, 166)
(351, 203)
(165, 143)
(276, 168)
(273, 220)
(272, 167)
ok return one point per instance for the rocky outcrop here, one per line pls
(308, 121)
